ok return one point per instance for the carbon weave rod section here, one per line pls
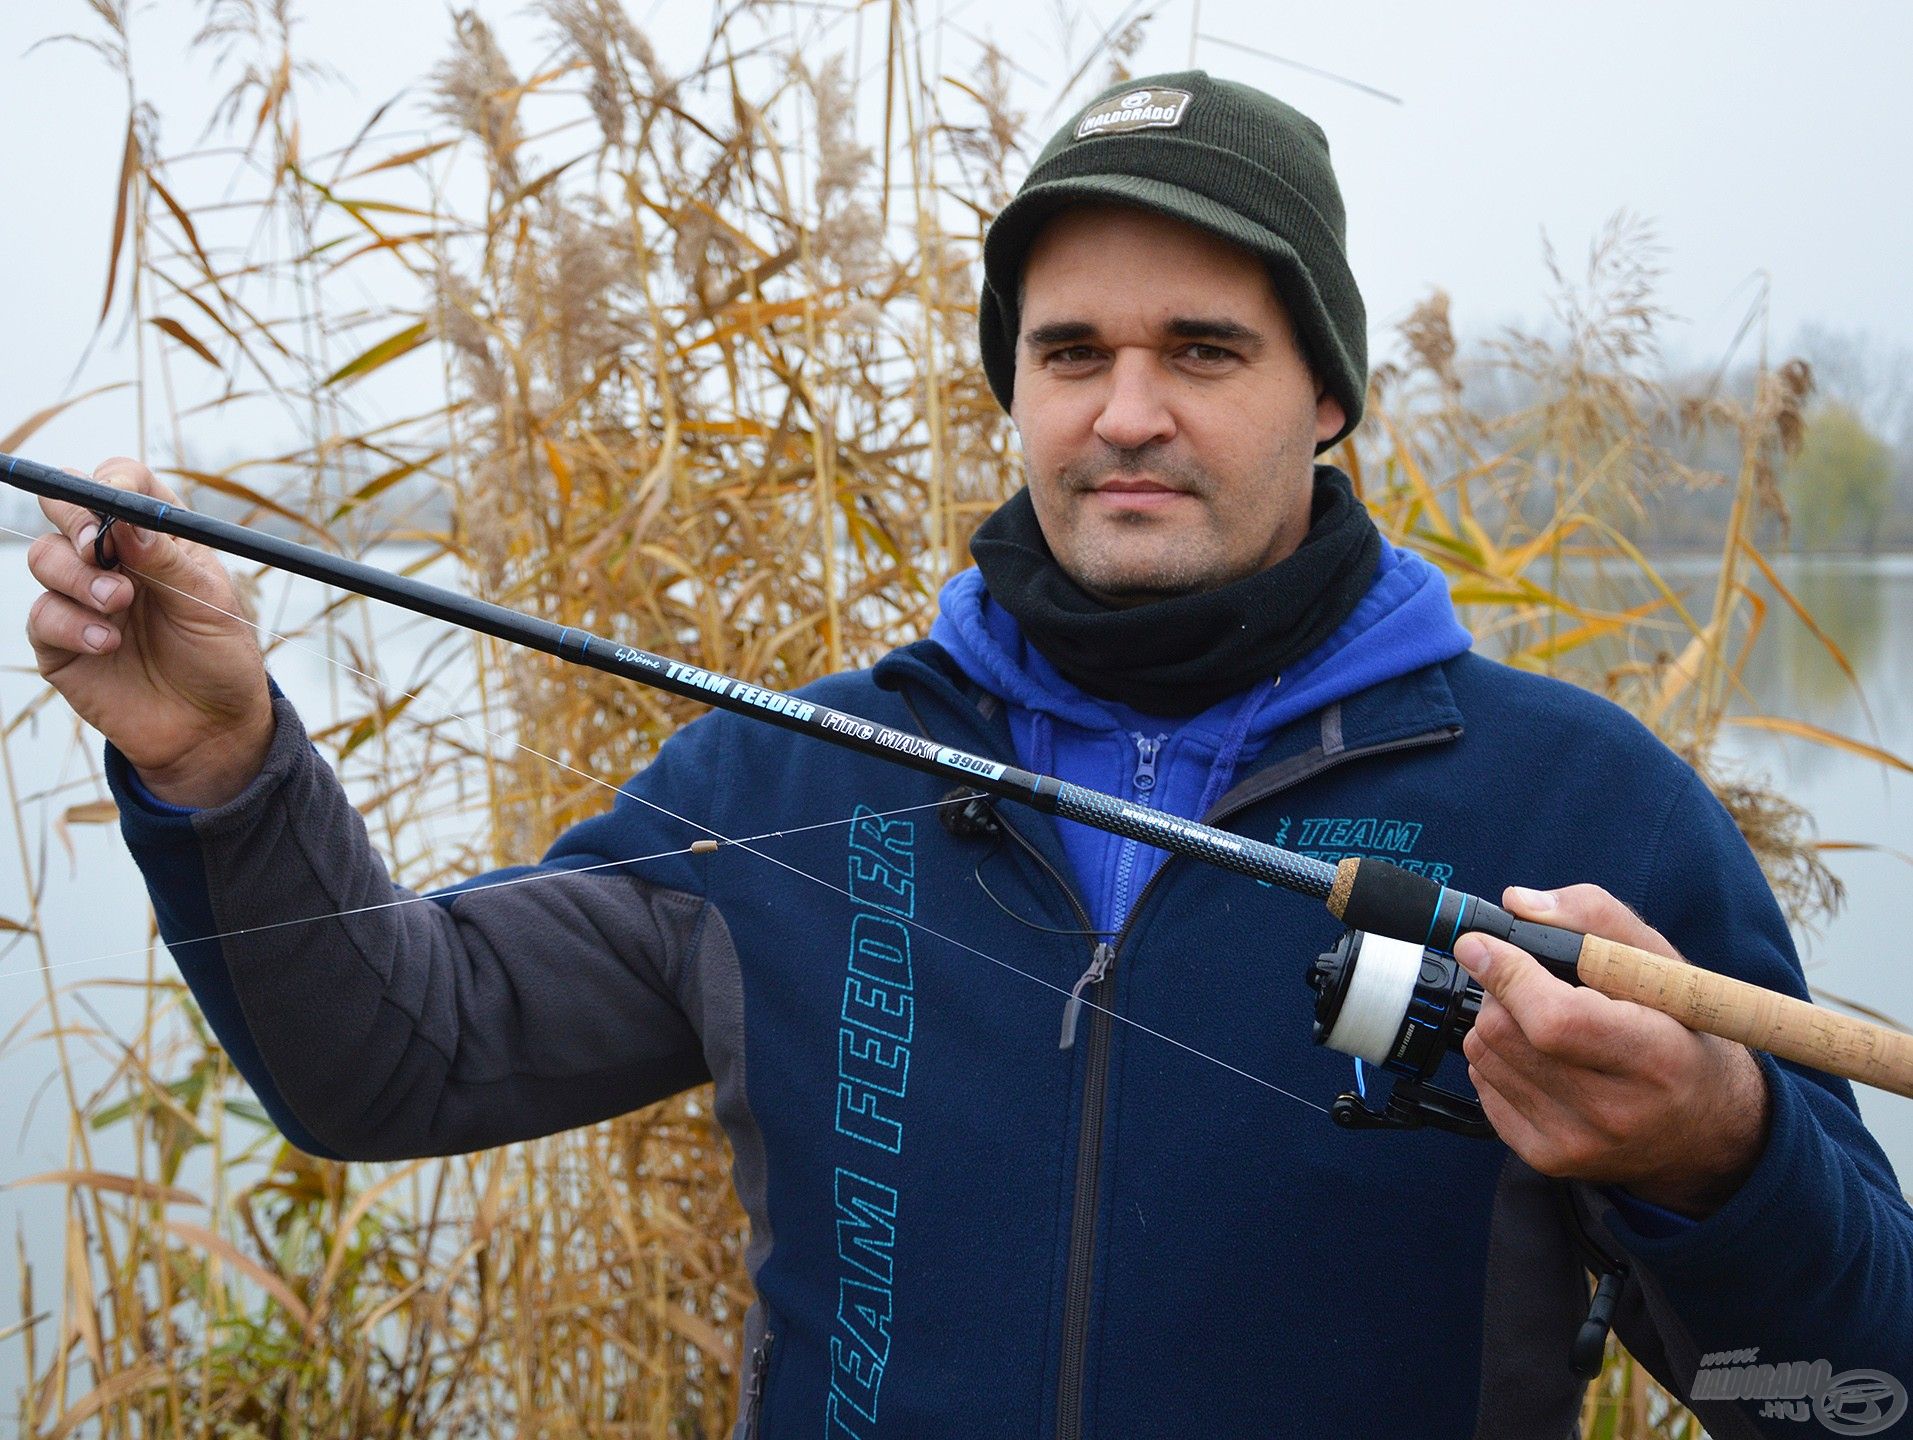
(1199, 842)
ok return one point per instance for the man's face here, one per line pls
(1168, 418)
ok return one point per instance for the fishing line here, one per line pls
(1370, 896)
(1047, 985)
(694, 848)
(746, 844)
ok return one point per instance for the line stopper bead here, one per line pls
(704, 847)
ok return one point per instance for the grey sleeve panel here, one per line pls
(1533, 1303)
(1535, 1298)
(529, 1002)
(713, 994)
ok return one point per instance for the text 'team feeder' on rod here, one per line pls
(1368, 894)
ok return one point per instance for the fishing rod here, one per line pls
(1390, 992)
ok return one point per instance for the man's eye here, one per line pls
(1209, 354)
(1072, 354)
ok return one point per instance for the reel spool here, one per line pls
(1400, 1007)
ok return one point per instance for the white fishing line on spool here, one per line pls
(1380, 988)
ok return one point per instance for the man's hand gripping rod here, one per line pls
(1384, 899)
(1370, 895)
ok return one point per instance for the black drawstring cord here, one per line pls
(976, 818)
(1046, 929)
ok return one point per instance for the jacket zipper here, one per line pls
(1082, 1230)
(1095, 985)
(1089, 1140)
(1099, 962)
(1143, 784)
(1143, 787)
(754, 1394)
(1089, 1149)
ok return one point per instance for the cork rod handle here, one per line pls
(1759, 1018)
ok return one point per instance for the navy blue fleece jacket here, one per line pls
(959, 1228)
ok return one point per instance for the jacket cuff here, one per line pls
(1645, 1217)
(147, 819)
(136, 788)
(1779, 1197)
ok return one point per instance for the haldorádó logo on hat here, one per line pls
(1138, 110)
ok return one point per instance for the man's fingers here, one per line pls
(59, 629)
(1551, 1136)
(76, 521)
(57, 565)
(69, 520)
(128, 474)
(67, 563)
(1512, 976)
(158, 553)
(177, 565)
(1535, 1014)
(1590, 910)
(1490, 1071)
(188, 581)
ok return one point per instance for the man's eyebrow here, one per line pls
(1187, 327)
(1182, 327)
(1059, 332)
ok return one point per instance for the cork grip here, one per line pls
(1759, 1018)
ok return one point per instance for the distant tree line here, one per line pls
(1848, 486)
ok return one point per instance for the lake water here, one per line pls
(93, 904)
(1866, 606)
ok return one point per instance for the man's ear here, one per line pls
(1330, 417)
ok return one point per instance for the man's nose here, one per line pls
(1135, 411)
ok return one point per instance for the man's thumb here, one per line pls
(174, 579)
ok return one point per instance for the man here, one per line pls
(959, 1228)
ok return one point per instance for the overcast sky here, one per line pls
(1759, 138)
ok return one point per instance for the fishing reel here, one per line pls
(1400, 1007)
(1403, 1007)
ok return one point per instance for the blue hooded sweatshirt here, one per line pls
(1182, 764)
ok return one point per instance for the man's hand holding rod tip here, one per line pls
(150, 653)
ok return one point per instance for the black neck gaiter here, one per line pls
(1182, 655)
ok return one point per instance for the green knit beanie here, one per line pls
(1213, 154)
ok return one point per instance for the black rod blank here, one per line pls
(1189, 838)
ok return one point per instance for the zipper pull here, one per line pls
(1099, 962)
(1146, 751)
(754, 1395)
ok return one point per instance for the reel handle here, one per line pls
(1759, 1018)
(1375, 896)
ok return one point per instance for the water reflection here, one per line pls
(1854, 601)
(1795, 674)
